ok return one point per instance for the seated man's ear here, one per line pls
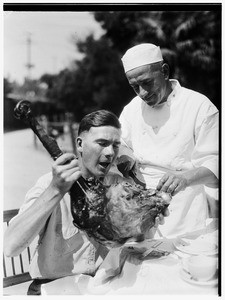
(79, 144)
(166, 70)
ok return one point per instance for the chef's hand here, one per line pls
(172, 183)
(65, 171)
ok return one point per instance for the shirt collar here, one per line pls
(175, 88)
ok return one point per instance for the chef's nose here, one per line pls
(142, 92)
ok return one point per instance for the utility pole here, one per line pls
(29, 65)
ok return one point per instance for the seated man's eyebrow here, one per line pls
(101, 140)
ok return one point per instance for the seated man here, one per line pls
(63, 249)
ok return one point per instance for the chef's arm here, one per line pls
(201, 175)
(174, 182)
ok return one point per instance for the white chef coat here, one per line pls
(180, 134)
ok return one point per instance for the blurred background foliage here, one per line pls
(190, 42)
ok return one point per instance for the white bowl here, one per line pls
(201, 267)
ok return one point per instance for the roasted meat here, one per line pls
(117, 213)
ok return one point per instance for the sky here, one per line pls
(51, 48)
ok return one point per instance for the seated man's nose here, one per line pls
(109, 150)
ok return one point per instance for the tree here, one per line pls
(8, 87)
(102, 77)
(190, 42)
(95, 82)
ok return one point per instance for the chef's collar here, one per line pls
(175, 87)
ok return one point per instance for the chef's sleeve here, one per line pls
(126, 147)
(206, 135)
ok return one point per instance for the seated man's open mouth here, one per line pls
(105, 164)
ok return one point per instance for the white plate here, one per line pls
(187, 277)
(196, 247)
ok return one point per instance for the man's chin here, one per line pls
(150, 103)
(100, 172)
(103, 172)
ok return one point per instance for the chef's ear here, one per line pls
(79, 144)
(166, 70)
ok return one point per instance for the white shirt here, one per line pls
(180, 134)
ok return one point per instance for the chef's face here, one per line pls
(98, 149)
(150, 83)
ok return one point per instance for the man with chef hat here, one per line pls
(171, 133)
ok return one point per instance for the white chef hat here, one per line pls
(140, 55)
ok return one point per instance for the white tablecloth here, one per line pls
(155, 276)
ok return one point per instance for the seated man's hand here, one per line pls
(65, 171)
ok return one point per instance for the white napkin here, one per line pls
(133, 253)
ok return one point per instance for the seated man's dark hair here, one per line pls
(98, 118)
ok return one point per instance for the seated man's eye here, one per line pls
(102, 144)
(116, 146)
